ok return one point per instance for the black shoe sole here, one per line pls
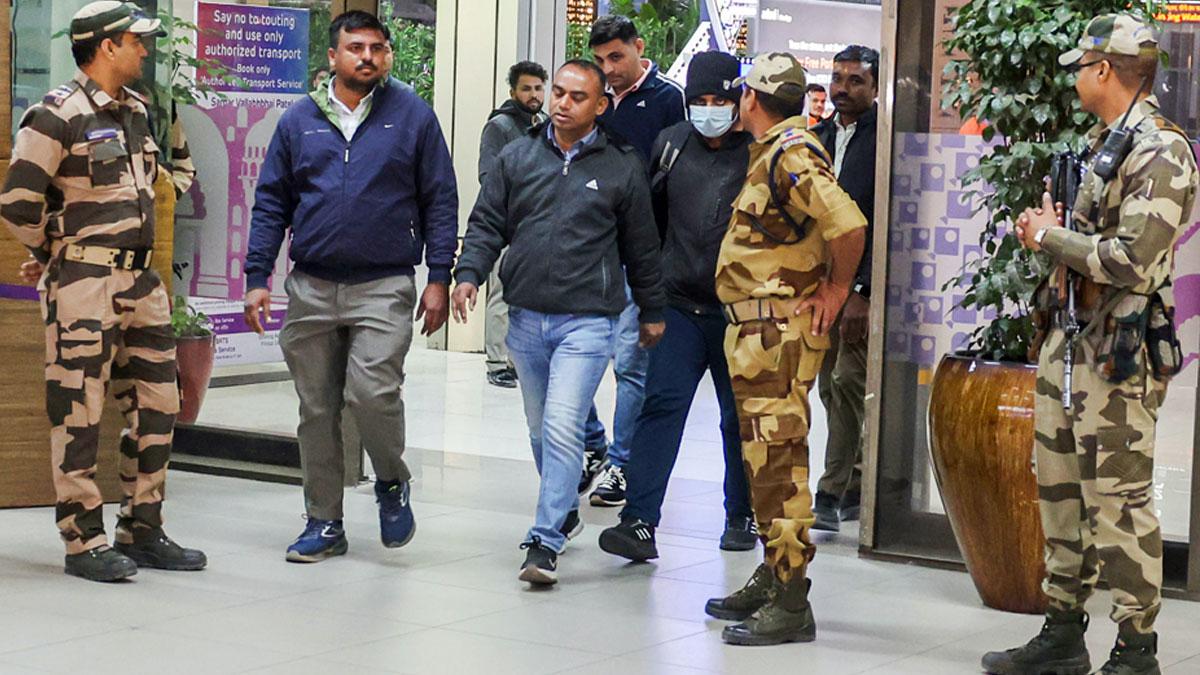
(746, 639)
(115, 576)
(619, 545)
(739, 542)
(397, 544)
(718, 612)
(826, 525)
(597, 500)
(538, 576)
(337, 549)
(151, 561)
(1078, 666)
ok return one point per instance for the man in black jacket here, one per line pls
(574, 210)
(514, 117)
(849, 136)
(698, 168)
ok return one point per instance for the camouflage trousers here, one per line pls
(107, 325)
(772, 367)
(1095, 471)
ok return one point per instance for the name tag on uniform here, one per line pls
(101, 134)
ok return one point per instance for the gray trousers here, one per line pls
(345, 346)
(842, 385)
(495, 324)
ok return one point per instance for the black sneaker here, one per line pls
(632, 539)
(825, 508)
(610, 490)
(541, 564)
(156, 550)
(572, 526)
(851, 506)
(741, 534)
(102, 563)
(593, 461)
(505, 378)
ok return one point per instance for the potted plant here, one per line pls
(195, 349)
(981, 401)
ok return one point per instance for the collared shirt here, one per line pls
(82, 171)
(569, 155)
(617, 98)
(349, 120)
(844, 134)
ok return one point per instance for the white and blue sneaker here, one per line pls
(396, 522)
(321, 539)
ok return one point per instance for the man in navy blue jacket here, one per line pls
(642, 103)
(360, 173)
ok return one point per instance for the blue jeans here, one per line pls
(629, 365)
(691, 344)
(560, 359)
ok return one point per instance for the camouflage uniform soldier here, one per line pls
(1095, 446)
(79, 195)
(786, 266)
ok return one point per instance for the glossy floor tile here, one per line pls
(450, 602)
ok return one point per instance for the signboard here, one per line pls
(814, 31)
(266, 47)
(237, 345)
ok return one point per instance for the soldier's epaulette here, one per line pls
(796, 136)
(56, 97)
(137, 95)
(1164, 124)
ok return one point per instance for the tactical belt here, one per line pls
(116, 258)
(761, 309)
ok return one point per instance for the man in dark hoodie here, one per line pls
(573, 208)
(360, 174)
(698, 168)
(522, 110)
(849, 136)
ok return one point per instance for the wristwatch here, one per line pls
(1040, 235)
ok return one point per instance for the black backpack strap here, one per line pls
(676, 139)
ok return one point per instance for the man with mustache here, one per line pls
(522, 110)
(359, 172)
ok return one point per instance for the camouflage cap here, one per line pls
(1113, 34)
(778, 74)
(111, 17)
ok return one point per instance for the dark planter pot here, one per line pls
(194, 358)
(981, 438)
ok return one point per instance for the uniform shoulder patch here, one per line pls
(797, 137)
(56, 97)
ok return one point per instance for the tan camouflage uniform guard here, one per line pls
(773, 363)
(1095, 461)
(82, 174)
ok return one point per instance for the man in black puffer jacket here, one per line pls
(574, 210)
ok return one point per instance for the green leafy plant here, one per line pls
(186, 321)
(413, 51)
(664, 25)
(1009, 49)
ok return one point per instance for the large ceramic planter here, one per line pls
(981, 437)
(194, 358)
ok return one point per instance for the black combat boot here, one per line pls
(740, 604)
(102, 563)
(1058, 650)
(787, 617)
(1133, 654)
(153, 548)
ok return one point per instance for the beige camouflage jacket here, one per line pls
(1126, 231)
(82, 171)
(754, 265)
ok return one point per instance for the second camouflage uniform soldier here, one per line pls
(1094, 445)
(79, 195)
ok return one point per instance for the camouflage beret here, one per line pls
(1113, 34)
(778, 74)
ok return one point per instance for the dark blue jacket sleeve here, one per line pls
(488, 230)
(437, 196)
(275, 201)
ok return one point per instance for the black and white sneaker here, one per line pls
(593, 461)
(572, 526)
(541, 564)
(632, 539)
(741, 534)
(610, 490)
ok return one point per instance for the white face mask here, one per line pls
(711, 120)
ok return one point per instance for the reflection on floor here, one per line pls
(450, 601)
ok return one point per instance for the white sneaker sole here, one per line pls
(536, 575)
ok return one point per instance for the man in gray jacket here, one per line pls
(522, 110)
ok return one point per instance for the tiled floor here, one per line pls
(450, 601)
